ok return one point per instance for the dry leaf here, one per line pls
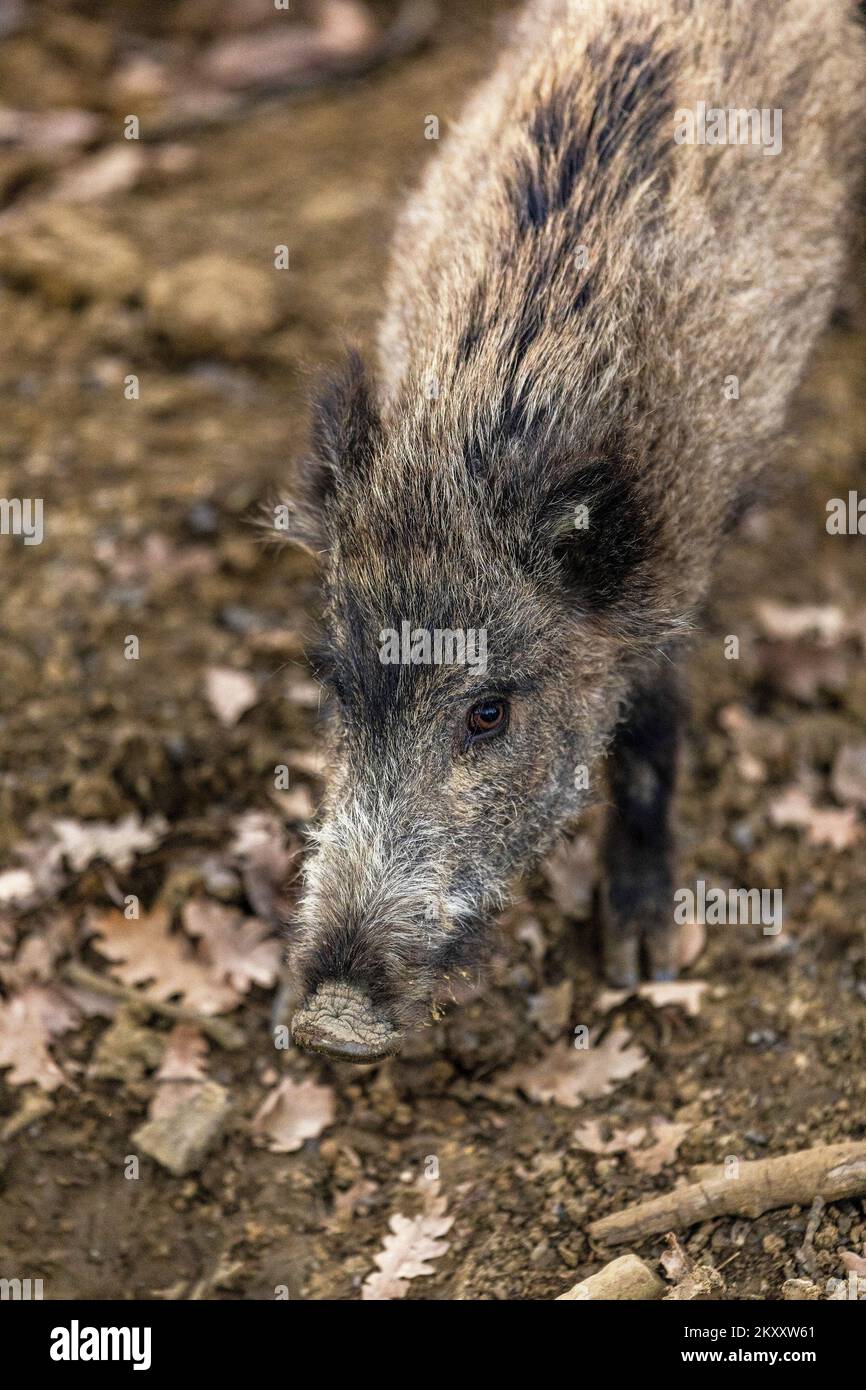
(804, 670)
(703, 1282)
(109, 171)
(347, 1203)
(307, 760)
(838, 828)
(155, 561)
(28, 1023)
(266, 864)
(146, 952)
(80, 842)
(674, 1261)
(531, 934)
(230, 693)
(17, 888)
(749, 739)
(667, 1138)
(406, 1253)
(292, 1112)
(687, 993)
(296, 805)
(571, 874)
(236, 947)
(182, 1070)
(590, 1137)
(37, 955)
(304, 692)
(569, 1075)
(803, 657)
(255, 831)
(274, 54)
(38, 878)
(849, 774)
(550, 1009)
(59, 128)
(184, 1056)
(791, 807)
(743, 730)
(788, 622)
(759, 737)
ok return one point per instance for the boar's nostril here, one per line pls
(341, 1022)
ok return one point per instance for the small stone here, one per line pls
(800, 1289)
(241, 620)
(212, 304)
(70, 255)
(181, 1140)
(742, 834)
(849, 775)
(202, 519)
(541, 1255)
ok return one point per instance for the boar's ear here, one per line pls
(602, 534)
(344, 432)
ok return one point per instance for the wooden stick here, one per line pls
(624, 1278)
(806, 1252)
(831, 1171)
(222, 1032)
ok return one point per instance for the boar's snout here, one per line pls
(340, 1021)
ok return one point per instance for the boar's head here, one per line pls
(450, 776)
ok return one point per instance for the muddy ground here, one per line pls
(148, 511)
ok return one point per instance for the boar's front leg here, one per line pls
(637, 887)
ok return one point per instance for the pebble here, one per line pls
(242, 620)
(181, 1140)
(70, 255)
(212, 304)
(202, 519)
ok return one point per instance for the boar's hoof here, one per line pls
(639, 939)
(341, 1022)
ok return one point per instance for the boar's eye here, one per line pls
(487, 719)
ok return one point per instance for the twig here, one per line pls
(736, 1255)
(222, 1032)
(832, 1171)
(806, 1253)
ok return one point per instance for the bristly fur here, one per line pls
(570, 290)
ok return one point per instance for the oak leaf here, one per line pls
(407, 1252)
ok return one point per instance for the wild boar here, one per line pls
(600, 302)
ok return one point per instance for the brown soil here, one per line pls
(776, 1058)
